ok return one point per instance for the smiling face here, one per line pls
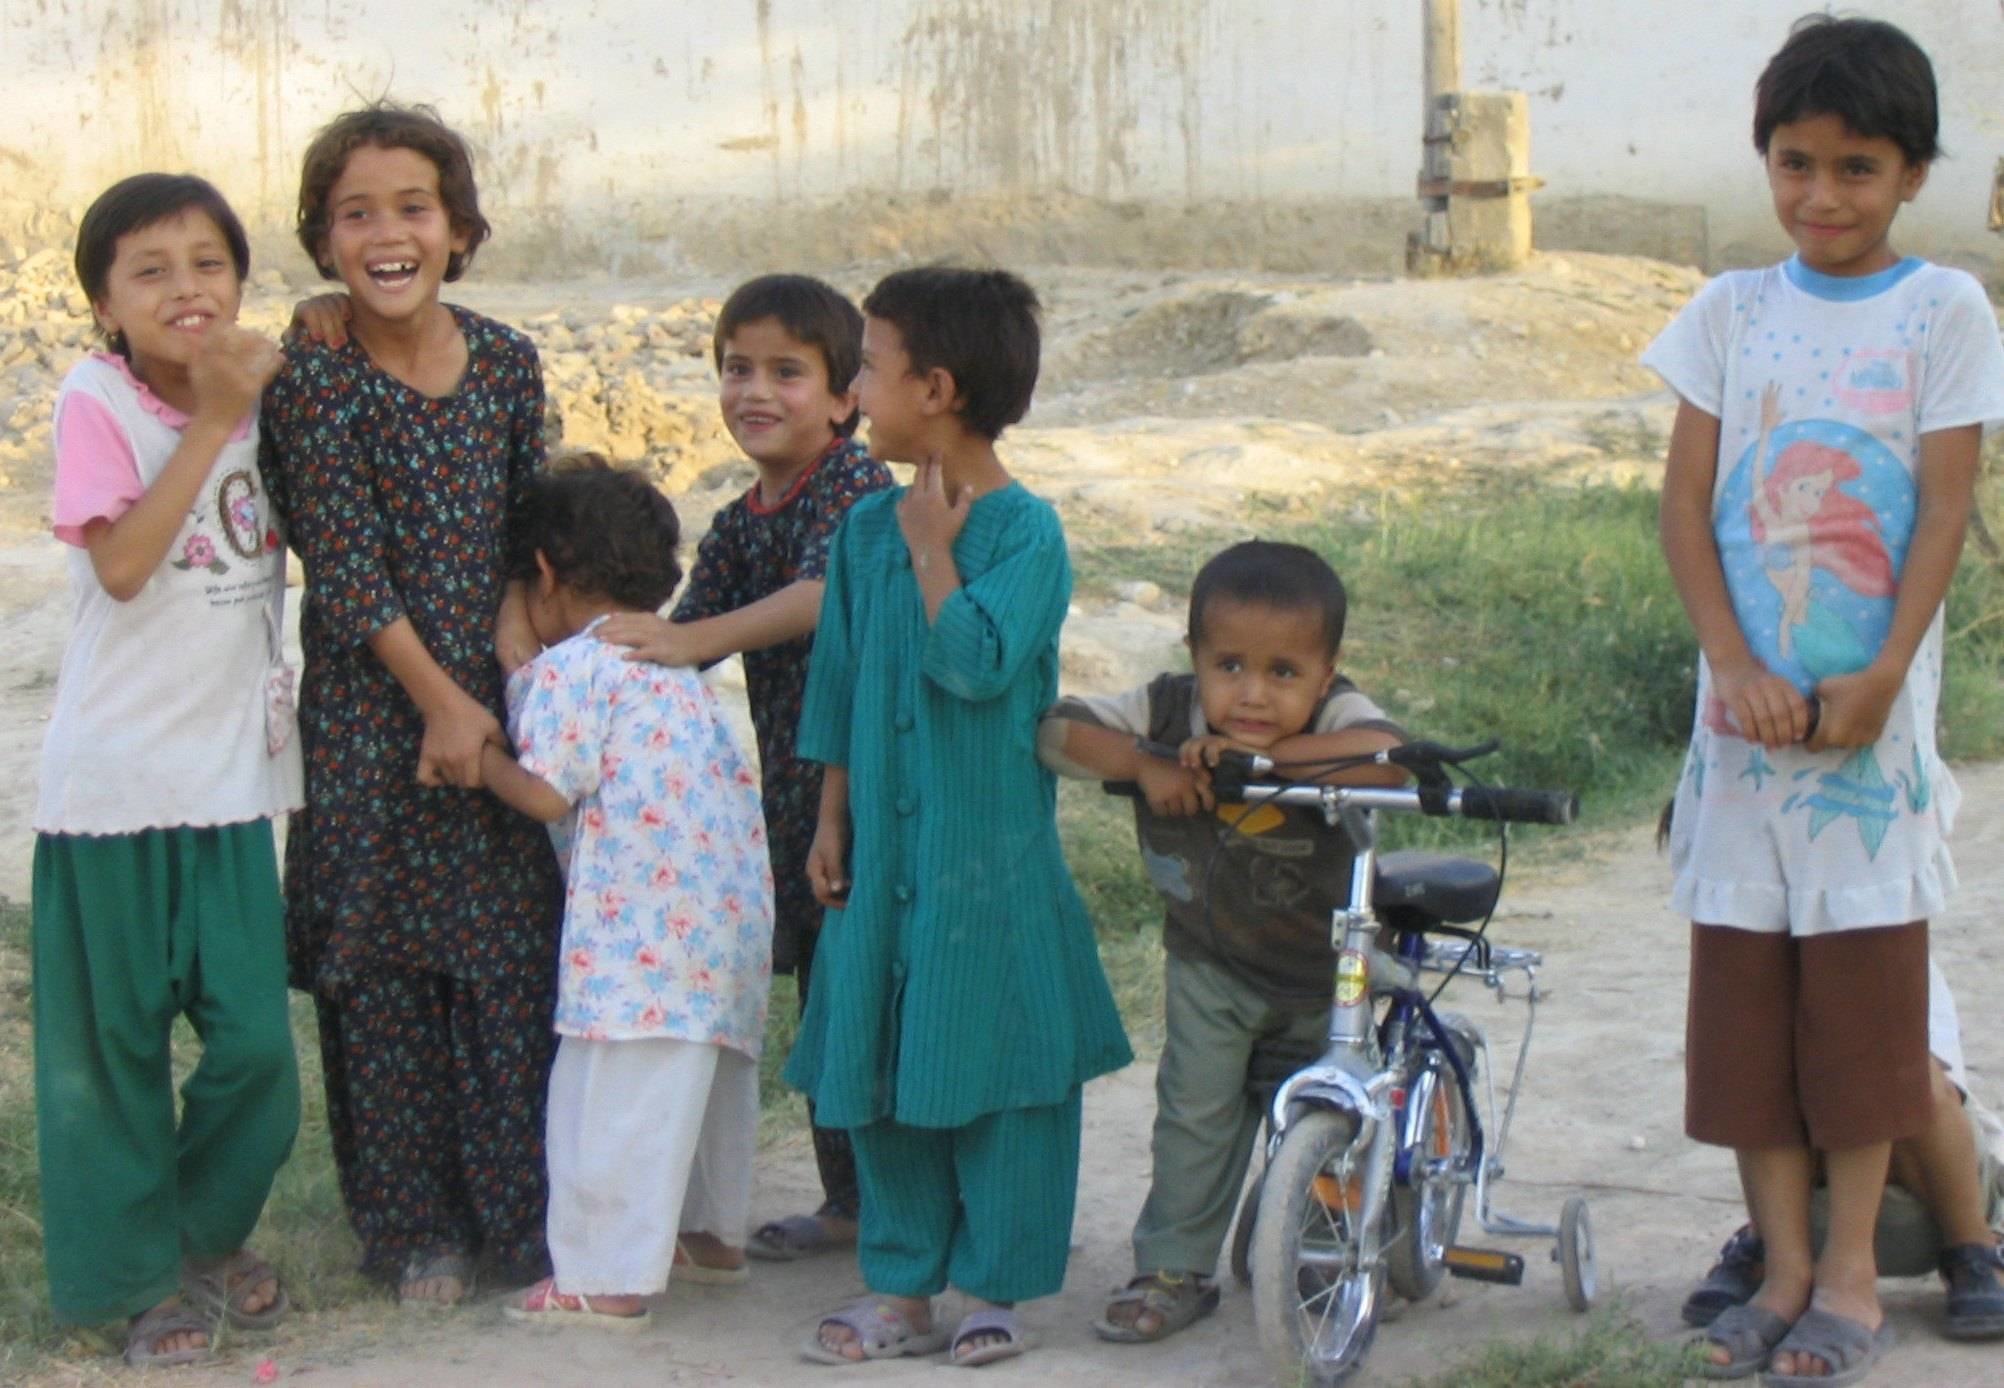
(1260, 670)
(167, 284)
(388, 235)
(893, 397)
(1836, 193)
(773, 389)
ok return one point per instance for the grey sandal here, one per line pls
(150, 1327)
(989, 1320)
(1175, 1299)
(447, 1263)
(881, 1331)
(1748, 1333)
(220, 1288)
(1844, 1344)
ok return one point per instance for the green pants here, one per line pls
(130, 931)
(1205, 1120)
(986, 1207)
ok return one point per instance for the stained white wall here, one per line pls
(610, 115)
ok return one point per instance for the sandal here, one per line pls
(150, 1327)
(795, 1237)
(1975, 1297)
(686, 1269)
(221, 1288)
(1844, 1344)
(1175, 1298)
(1748, 1333)
(543, 1304)
(989, 1320)
(444, 1265)
(881, 1330)
(1731, 1281)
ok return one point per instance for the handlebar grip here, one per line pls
(1519, 806)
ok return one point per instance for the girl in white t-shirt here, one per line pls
(169, 751)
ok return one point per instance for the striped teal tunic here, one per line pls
(962, 978)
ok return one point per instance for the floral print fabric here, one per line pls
(668, 907)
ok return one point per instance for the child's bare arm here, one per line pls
(1113, 755)
(519, 789)
(828, 855)
(515, 643)
(231, 366)
(777, 617)
(1313, 747)
(1767, 707)
(456, 725)
(1855, 705)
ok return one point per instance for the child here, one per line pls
(168, 753)
(421, 915)
(786, 349)
(1820, 474)
(1247, 928)
(667, 939)
(960, 1002)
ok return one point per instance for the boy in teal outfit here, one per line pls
(1248, 907)
(960, 1003)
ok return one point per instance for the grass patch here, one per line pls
(1613, 1351)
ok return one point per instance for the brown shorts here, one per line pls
(1817, 1041)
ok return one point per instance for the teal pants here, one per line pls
(986, 1207)
(1205, 1120)
(131, 931)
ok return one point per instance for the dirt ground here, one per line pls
(1172, 402)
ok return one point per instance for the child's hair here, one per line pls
(1865, 72)
(386, 125)
(1265, 573)
(980, 325)
(605, 531)
(135, 203)
(814, 314)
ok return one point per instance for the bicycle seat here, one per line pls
(1433, 886)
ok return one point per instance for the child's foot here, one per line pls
(171, 1333)
(440, 1279)
(1785, 1300)
(543, 1304)
(876, 1327)
(987, 1333)
(1837, 1333)
(801, 1236)
(705, 1258)
(1156, 1304)
(242, 1288)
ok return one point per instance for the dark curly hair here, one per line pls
(386, 125)
(980, 325)
(604, 531)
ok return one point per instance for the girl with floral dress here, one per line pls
(667, 945)
(421, 914)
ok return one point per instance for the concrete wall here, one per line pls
(607, 126)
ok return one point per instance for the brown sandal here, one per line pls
(1176, 1299)
(150, 1327)
(221, 1288)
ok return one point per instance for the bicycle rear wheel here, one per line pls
(1427, 1208)
(1315, 1306)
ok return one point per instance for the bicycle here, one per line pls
(1372, 1145)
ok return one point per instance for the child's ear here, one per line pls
(1916, 175)
(844, 407)
(546, 576)
(1328, 677)
(942, 392)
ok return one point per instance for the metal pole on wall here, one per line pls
(1441, 53)
(1475, 176)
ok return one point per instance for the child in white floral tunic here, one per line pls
(667, 943)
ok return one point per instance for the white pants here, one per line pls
(647, 1139)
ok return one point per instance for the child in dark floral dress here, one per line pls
(787, 349)
(421, 913)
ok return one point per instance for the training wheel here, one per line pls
(1575, 1254)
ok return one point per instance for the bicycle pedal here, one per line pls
(1485, 1265)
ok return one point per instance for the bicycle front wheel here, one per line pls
(1315, 1305)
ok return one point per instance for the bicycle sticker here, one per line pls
(1351, 978)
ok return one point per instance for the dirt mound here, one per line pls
(1200, 330)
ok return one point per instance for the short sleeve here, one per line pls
(714, 585)
(97, 473)
(823, 734)
(1122, 713)
(1962, 379)
(988, 629)
(317, 470)
(559, 727)
(1690, 354)
(1349, 709)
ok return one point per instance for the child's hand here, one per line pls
(828, 864)
(1855, 707)
(1173, 789)
(1202, 753)
(230, 368)
(929, 519)
(1765, 707)
(454, 737)
(322, 318)
(652, 638)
